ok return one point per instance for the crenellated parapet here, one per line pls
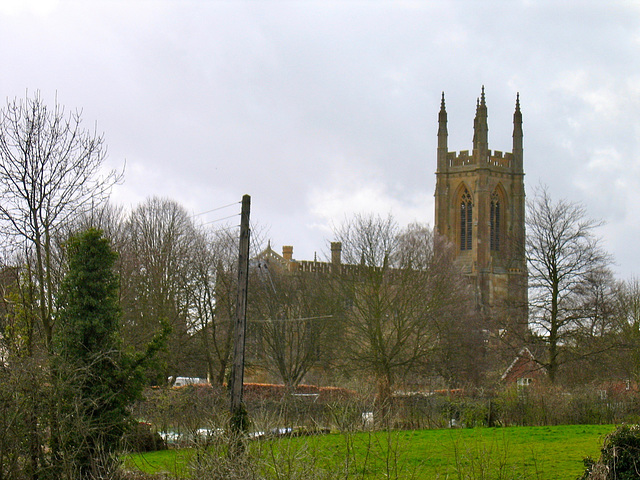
(312, 266)
(494, 159)
(462, 159)
(500, 160)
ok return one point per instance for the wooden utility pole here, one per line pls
(238, 413)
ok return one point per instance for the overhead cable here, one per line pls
(215, 209)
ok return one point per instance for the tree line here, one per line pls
(98, 302)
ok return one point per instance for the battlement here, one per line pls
(495, 159)
(459, 160)
(314, 266)
(500, 160)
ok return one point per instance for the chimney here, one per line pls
(336, 253)
(287, 252)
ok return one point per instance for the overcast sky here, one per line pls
(320, 109)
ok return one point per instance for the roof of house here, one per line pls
(523, 365)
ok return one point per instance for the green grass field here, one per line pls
(541, 453)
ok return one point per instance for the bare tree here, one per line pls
(628, 304)
(457, 355)
(596, 343)
(400, 289)
(157, 282)
(50, 171)
(596, 305)
(563, 252)
(294, 313)
(109, 218)
(627, 313)
(213, 294)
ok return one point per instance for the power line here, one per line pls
(226, 229)
(215, 209)
(265, 320)
(303, 319)
(257, 236)
(220, 219)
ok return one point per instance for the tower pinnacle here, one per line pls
(517, 136)
(481, 130)
(442, 135)
(442, 119)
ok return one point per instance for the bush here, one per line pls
(142, 439)
(619, 458)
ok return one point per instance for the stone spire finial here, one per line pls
(517, 118)
(442, 136)
(481, 129)
(442, 119)
(517, 136)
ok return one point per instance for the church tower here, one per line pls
(479, 207)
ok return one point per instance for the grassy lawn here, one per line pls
(541, 453)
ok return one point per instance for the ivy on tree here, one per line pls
(96, 379)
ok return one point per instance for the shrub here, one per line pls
(619, 458)
(141, 439)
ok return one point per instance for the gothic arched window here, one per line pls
(466, 217)
(494, 216)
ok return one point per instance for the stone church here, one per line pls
(480, 208)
